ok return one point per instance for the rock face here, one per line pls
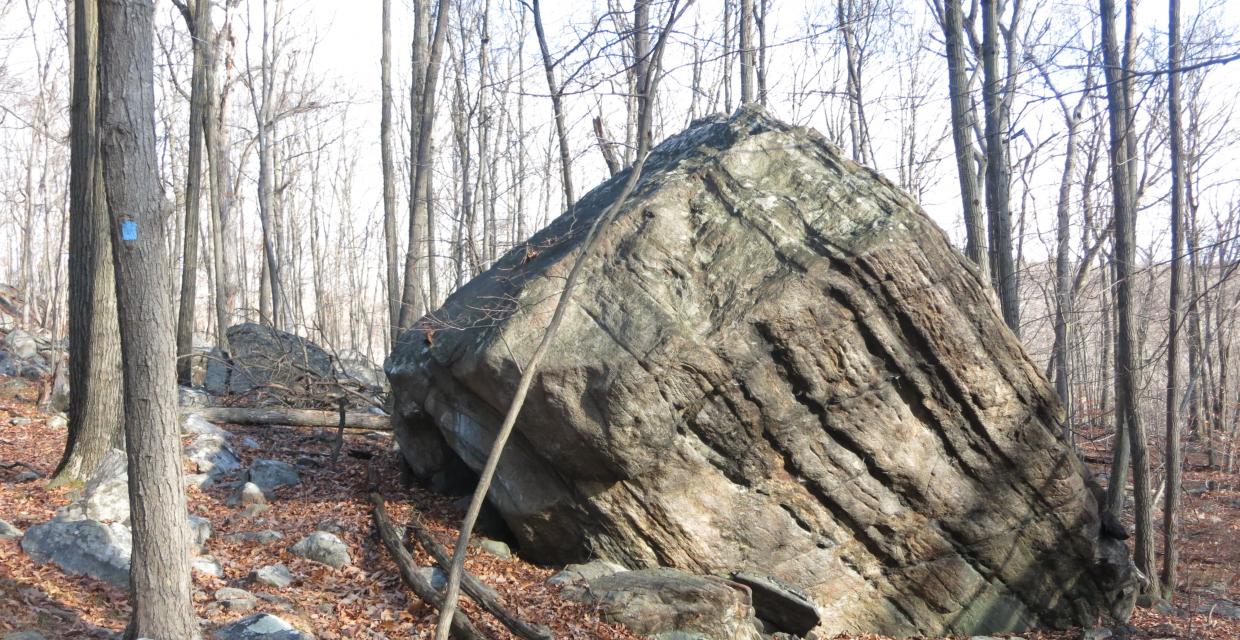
(82, 547)
(774, 363)
(262, 355)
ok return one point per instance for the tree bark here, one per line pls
(95, 407)
(1172, 460)
(159, 574)
(199, 31)
(1127, 362)
(964, 121)
(747, 57)
(998, 197)
(218, 186)
(389, 177)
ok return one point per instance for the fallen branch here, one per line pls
(291, 417)
(462, 628)
(474, 588)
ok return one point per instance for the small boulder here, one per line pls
(27, 476)
(24, 635)
(324, 548)
(271, 474)
(236, 600)
(82, 547)
(274, 575)
(200, 481)
(261, 537)
(262, 626)
(655, 602)
(207, 565)
(21, 344)
(246, 495)
(495, 548)
(199, 529)
(211, 455)
(8, 531)
(106, 495)
(192, 397)
(194, 424)
(58, 421)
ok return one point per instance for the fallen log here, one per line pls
(462, 628)
(291, 417)
(474, 588)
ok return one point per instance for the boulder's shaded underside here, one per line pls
(777, 364)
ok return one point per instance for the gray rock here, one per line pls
(82, 547)
(200, 481)
(199, 529)
(265, 536)
(435, 576)
(236, 600)
(666, 601)
(789, 609)
(253, 511)
(1098, 633)
(192, 398)
(207, 565)
(355, 366)
(1224, 608)
(21, 344)
(272, 474)
(58, 421)
(24, 635)
(324, 548)
(20, 421)
(274, 575)
(246, 495)
(249, 443)
(495, 548)
(211, 454)
(261, 355)
(774, 359)
(262, 626)
(194, 424)
(27, 476)
(584, 573)
(106, 495)
(8, 531)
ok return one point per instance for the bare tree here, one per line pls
(389, 177)
(998, 195)
(159, 570)
(95, 409)
(1126, 360)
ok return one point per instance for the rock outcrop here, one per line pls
(774, 364)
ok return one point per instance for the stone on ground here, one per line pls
(324, 548)
(261, 626)
(274, 575)
(585, 572)
(786, 608)
(82, 547)
(236, 600)
(8, 531)
(272, 474)
(652, 602)
(246, 495)
(106, 495)
(495, 548)
(194, 424)
(265, 536)
(207, 565)
(775, 362)
(211, 454)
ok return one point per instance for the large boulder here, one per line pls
(82, 547)
(774, 363)
(261, 355)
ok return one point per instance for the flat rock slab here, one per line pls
(671, 603)
(262, 626)
(82, 547)
(774, 363)
(8, 531)
(274, 575)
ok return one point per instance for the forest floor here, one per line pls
(368, 600)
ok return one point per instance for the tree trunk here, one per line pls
(159, 575)
(747, 57)
(94, 340)
(1127, 362)
(200, 33)
(998, 197)
(389, 177)
(557, 106)
(964, 121)
(216, 160)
